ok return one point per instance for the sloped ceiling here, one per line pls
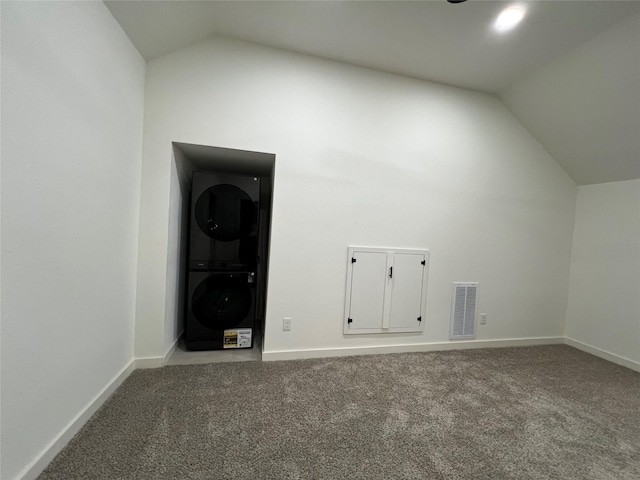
(554, 59)
(585, 106)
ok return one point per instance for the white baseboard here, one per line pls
(156, 362)
(149, 362)
(405, 348)
(170, 351)
(37, 466)
(598, 352)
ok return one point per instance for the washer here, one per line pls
(221, 310)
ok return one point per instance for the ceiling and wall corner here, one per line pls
(540, 70)
(584, 107)
(435, 41)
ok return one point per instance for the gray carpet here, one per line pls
(521, 413)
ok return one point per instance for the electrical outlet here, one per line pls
(483, 319)
(286, 324)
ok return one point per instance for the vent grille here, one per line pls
(464, 311)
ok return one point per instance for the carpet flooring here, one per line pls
(549, 412)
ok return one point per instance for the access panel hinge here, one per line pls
(420, 319)
(353, 260)
(349, 320)
(423, 262)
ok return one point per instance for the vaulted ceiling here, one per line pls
(570, 72)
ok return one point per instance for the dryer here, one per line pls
(225, 211)
(221, 310)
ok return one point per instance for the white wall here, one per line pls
(604, 290)
(178, 238)
(72, 111)
(363, 158)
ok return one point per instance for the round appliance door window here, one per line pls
(225, 212)
(221, 301)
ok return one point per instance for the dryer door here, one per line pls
(221, 301)
(225, 213)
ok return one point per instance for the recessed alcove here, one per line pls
(186, 159)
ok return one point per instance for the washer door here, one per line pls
(221, 301)
(225, 212)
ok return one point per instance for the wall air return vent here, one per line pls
(464, 308)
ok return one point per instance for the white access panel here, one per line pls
(367, 290)
(406, 296)
(386, 290)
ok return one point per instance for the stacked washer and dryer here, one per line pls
(224, 251)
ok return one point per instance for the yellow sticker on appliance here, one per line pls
(237, 338)
(230, 339)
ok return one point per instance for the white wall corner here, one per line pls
(149, 362)
(598, 352)
(46, 456)
(157, 362)
(170, 351)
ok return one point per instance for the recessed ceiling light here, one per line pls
(509, 18)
